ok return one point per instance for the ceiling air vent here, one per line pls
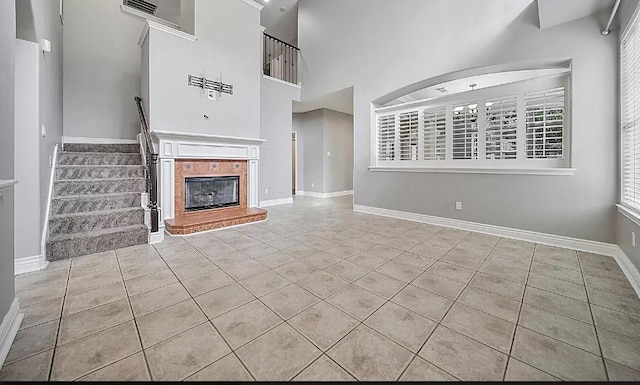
(142, 5)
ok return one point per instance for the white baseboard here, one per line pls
(629, 269)
(155, 238)
(29, 264)
(324, 195)
(276, 202)
(9, 329)
(588, 246)
(78, 140)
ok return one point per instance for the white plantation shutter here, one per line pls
(545, 114)
(408, 134)
(630, 81)
(501, 128)
(435, 124)
(386, 137)
(465, 131)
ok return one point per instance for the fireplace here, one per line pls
(211, 193)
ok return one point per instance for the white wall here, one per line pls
(275, 127)
(27, 138)
(231, 46)
(430, 38)
(7, 88)
(101, 69)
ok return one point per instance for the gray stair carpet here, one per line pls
(96, 200)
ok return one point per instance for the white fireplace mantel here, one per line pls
(178, 145)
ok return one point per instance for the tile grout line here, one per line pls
(454, 301)
(135, 320)
(595, 327)
(521, 306)
(192, 298)
(64, 301)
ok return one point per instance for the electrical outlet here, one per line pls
(328, 153)
(313, 185)
(266, 191)
(43, 131)
(633, 239)
(458, 205)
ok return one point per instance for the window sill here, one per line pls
(470, 170)
(630, 214)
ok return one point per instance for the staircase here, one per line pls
(96, 204)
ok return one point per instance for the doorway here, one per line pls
(294, 163)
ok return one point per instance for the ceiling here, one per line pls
(481, 81)
(273, 18)
(556, 12)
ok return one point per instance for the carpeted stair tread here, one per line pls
(102, 148)
(83, 172)
(64, 246)
(90, 203)
(98, 186)
(93, 221)
(99, 158)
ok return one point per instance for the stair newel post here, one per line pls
(153, 201)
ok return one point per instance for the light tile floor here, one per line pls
(322, 293)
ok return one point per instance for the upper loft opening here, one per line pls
(177, 14)
(280, 19)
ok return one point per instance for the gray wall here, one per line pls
(342, 49)
(101, 69)
(321, 132)
(310, 149)
(298, 121)
(27, 137)
(230, 46)
(338, 141)
(7, 87)
(275, 127)
(624, 225)
(169, 10)
(41, 20)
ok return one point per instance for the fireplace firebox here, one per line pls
(206, 193)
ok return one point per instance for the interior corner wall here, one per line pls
(339, 42)
(230, 47)
(310, 149)
(276, 124)
(7, 89)
(325, 145)
(337, 152)
(297, 126)
(102, 64)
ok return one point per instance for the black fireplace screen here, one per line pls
(211, 193)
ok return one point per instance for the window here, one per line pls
(545, 124)
(515, 126)
(501, 128)
(465, 131)
(408, 133)
(386, 137)
(630, 83)
(435, 120)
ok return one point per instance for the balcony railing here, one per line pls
(280, 59)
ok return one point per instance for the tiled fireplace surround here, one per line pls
(189, 155)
